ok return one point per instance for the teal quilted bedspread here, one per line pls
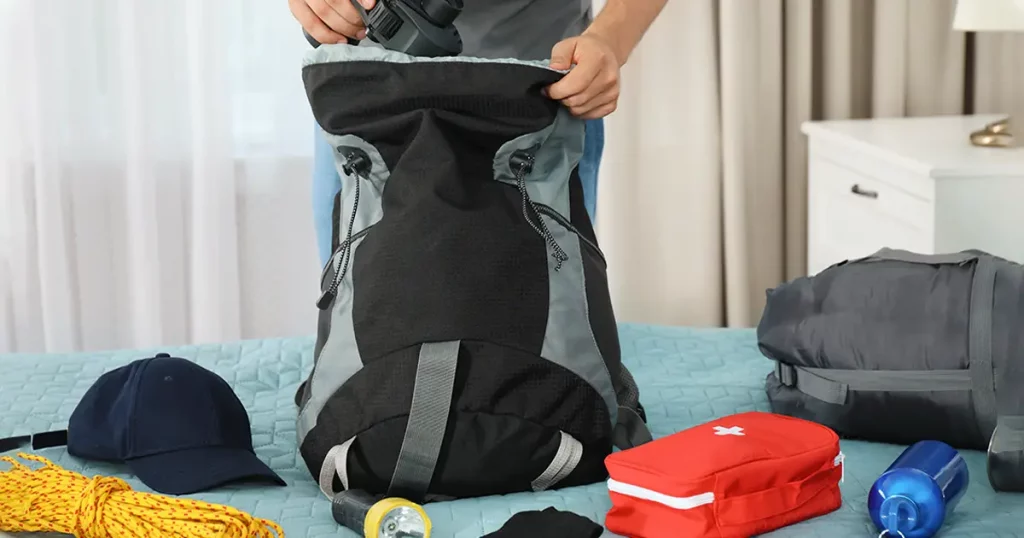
(686, 377)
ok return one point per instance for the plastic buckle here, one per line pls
(785, 373)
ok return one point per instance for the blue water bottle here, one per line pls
(918, 491)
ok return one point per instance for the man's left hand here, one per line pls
(591, 88)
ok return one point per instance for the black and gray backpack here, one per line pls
(466, 343)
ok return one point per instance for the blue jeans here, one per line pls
(327, 182)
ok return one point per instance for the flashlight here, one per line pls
(378, 516)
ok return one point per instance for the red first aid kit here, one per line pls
(734, 477)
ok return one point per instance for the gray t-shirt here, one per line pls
(521, 29)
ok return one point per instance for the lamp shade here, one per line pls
(989, 16)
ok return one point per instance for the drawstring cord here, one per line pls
(357, 165)
(526, 160)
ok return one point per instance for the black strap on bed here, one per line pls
(37, 440)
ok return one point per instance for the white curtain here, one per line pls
(702, 198)
(154, 174)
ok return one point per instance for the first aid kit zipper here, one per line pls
(692, 501)
(357, 165)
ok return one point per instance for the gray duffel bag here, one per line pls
(900, 347)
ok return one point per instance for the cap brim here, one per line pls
(200, 469)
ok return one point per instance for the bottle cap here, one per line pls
(899, 515)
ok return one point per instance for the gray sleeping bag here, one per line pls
(899, 347)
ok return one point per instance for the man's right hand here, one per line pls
(330, 21)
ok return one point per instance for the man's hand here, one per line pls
(591, 88)
(330, 21)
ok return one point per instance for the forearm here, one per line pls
(623, 23)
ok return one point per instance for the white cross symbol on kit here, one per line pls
(735, 430)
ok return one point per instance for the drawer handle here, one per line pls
(855, 189)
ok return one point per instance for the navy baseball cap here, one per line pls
(178, 426)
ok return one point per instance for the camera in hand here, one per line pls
(413, 27)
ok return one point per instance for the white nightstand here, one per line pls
(910, 183)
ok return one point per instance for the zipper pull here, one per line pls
(328, 295)
(325, 299)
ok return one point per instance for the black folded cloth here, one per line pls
(547, 523)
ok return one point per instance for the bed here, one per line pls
(686, 377)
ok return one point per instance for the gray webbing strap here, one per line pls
(979, 342)
(630, 430)
(428, 420)
(570, 452)
(832, 385)
(953, 258)
(811, 384)
(336, 462)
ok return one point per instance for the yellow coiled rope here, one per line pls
(52, 499)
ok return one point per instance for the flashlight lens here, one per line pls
(403, 522)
